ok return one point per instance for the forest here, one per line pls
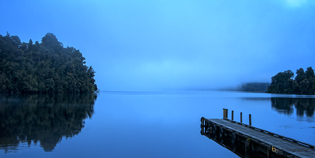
(45, 67)
(288, 83)
(254, 87)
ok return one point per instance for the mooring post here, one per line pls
(250, 119)
(232, 115)
(223, 113)
(241, 117)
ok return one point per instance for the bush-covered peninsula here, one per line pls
(45, 67)
(288, 83)
(254, 87)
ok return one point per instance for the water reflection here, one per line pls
(42, 118)
(285, 105)
(302, 106)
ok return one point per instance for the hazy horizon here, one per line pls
(158, 45)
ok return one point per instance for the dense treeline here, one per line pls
(254, 87)
(260, 87)
(286, 83)
(43, 67)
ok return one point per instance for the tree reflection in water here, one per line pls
(302, 106)
(42, 118)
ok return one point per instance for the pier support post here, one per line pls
(268, 152)
(248, 148)
(225, 113)
(250, 119)
(241, 117)
(232, 115)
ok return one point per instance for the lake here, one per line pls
(141, 124)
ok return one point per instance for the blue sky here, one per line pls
(178, 44)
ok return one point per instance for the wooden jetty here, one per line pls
(248, 141)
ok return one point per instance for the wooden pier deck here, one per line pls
(248, 141)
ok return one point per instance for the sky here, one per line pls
(178, 44)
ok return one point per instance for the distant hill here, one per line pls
(260, 87)
(254, 87)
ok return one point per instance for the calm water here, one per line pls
(140, 124)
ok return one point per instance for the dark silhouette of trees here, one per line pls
(254, 87)
(285, 83)
(45, 67)
(282, 82)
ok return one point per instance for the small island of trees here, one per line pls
(287, 83)
(45, 67)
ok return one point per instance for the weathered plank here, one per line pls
(275, 141)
